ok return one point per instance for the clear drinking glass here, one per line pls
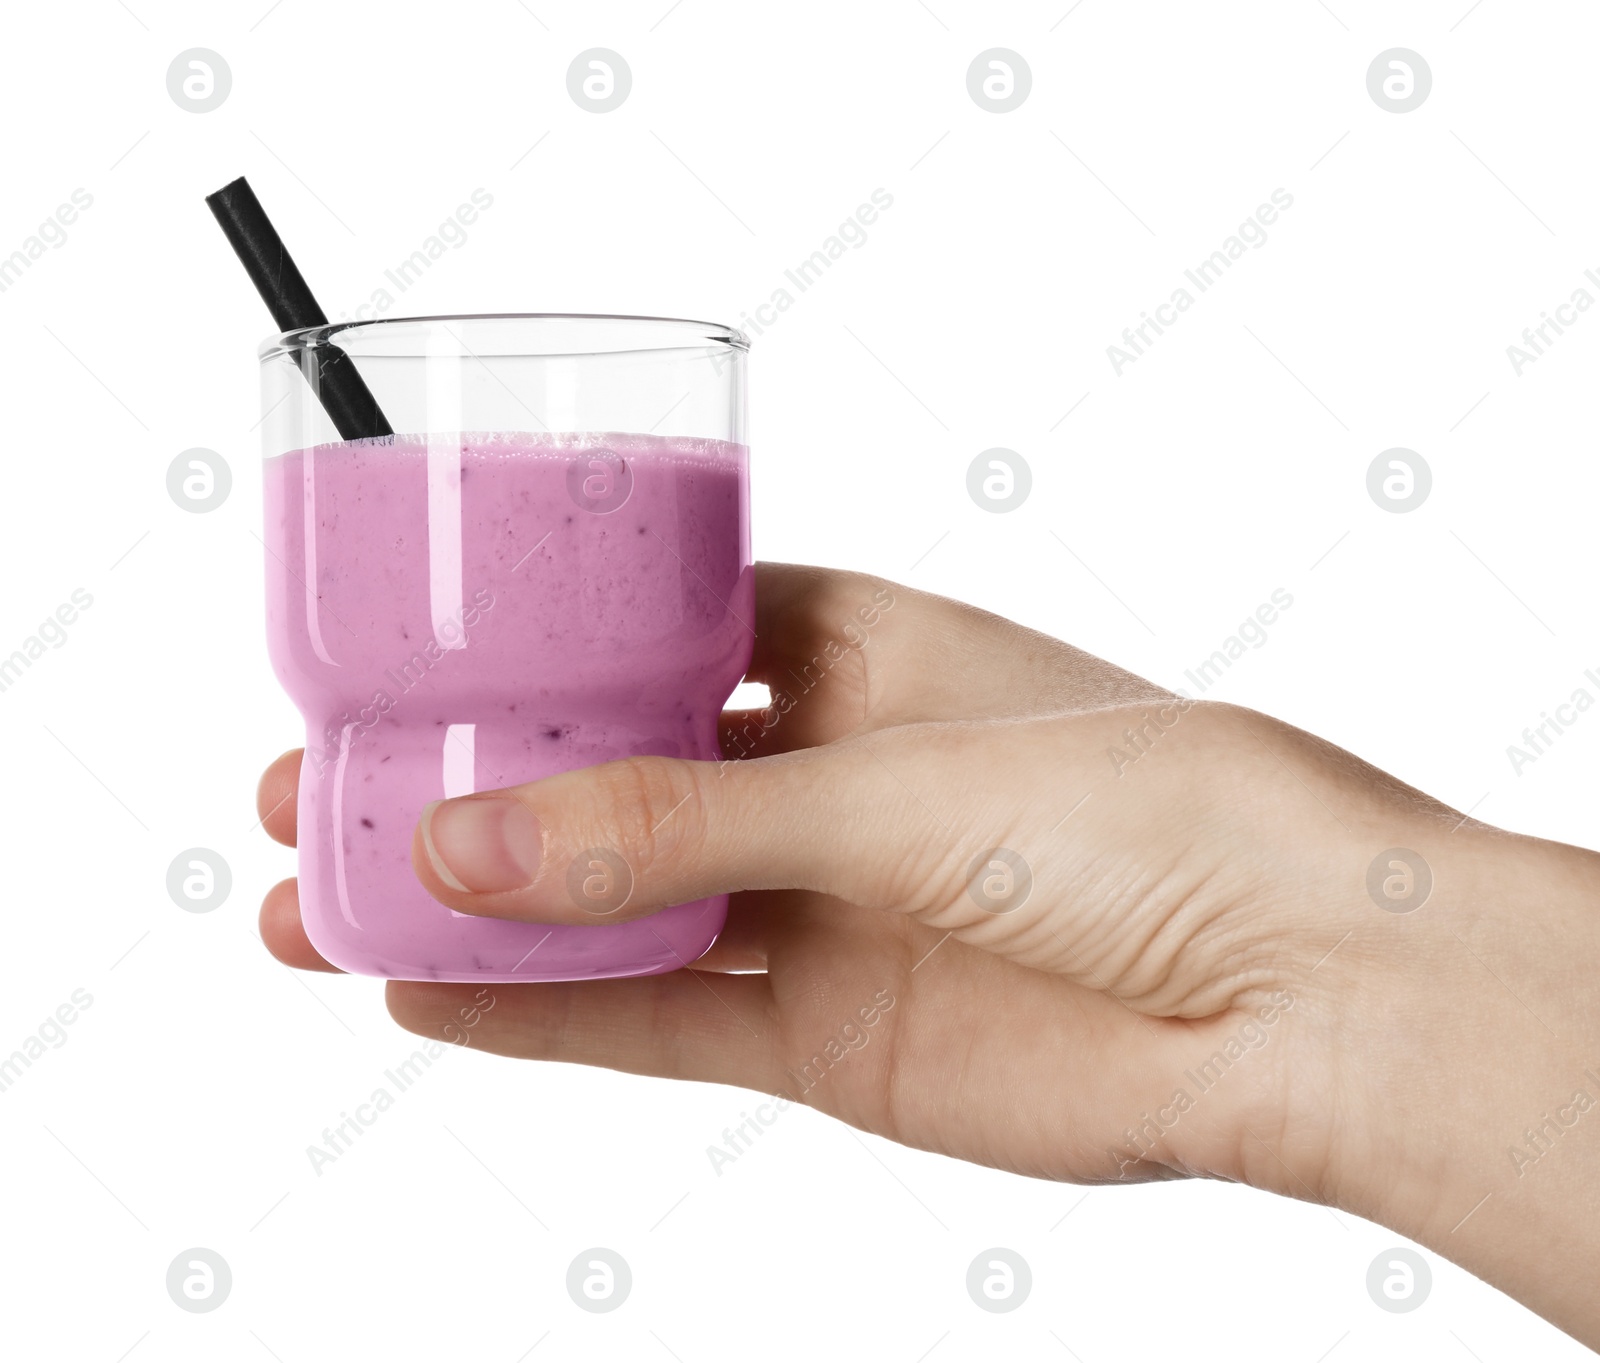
(547, 566)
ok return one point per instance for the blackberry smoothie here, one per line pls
(454, 613)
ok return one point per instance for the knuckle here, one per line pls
(652, 810)
(837, 601)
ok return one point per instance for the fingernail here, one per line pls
(481, 846)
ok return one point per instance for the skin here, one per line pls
(1199, 881)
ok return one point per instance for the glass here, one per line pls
(547, 566)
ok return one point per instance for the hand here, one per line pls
(999, 899)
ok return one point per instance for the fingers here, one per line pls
(812, 629)
(283, 932)
(973, 1057)
(684, 1025)
(276, 796)
(846, 653)
(742, 945)
(960, 662)
(617, 841)
(753, 920)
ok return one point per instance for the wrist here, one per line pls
(1469, 1065)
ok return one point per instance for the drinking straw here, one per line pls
(336, 382)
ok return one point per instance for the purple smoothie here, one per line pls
(454, 613)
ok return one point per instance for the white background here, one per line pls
(1229, 461)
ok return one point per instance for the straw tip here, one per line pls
(228, 190)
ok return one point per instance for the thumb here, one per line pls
(623, 839)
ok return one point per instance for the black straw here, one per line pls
(261, 251)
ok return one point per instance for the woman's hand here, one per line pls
(997, 898)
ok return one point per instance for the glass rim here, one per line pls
(713, 334)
